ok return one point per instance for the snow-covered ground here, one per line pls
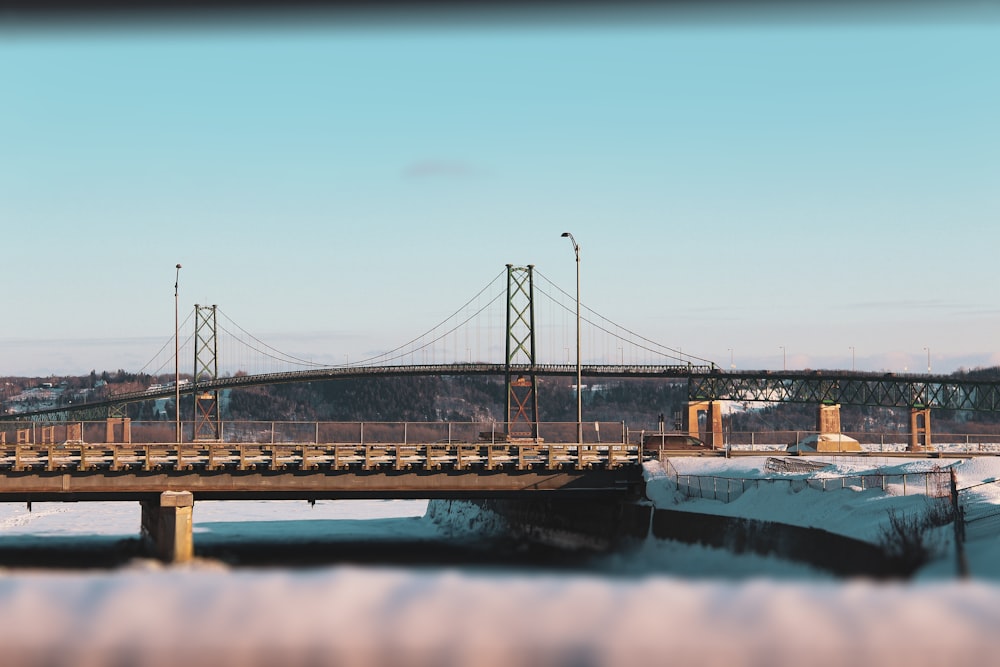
(851, 511)
(663, 603)
(855, 512)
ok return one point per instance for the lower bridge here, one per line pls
(167, 478)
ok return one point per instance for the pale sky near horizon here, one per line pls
(735, 186)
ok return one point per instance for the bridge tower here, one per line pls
(522, 397)
(206, 368)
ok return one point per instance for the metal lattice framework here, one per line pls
(522, 397)
(847, 388)
(874, 389)
(206, 369)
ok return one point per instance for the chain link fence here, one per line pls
(980, 517)
(933, 483)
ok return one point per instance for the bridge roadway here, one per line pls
(903, 390)
(227, 471)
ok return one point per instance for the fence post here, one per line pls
(362, 434)
(960, 560)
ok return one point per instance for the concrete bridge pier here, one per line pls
(828, 419)
(920, 429)
(167, 526)
(713, 421)
(122, 425)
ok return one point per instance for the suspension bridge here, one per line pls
(518, 327)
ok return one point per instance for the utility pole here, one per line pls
(579, 384)
(177, 358)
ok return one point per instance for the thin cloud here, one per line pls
(441, 169)
(904, 304)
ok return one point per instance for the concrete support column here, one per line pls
(167, 524)
(109, 430)
(920, 429)
(828, 419)
(713, 421)
(74, 432)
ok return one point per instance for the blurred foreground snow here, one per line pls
(359, 616)
(738, 610)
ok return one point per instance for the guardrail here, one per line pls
(110, 431)
(120, 444)
(213, 456)
(125, 431)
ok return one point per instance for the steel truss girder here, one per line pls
(206, 369)
(854, 389)
(69, 414)
(522, 395)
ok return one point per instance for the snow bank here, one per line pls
(457, 518)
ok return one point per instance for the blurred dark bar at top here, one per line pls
(108, 13)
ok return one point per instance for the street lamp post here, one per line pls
(784, 362)
(579, 385)
(928, 359)
(177, 358)
(731, 364)
(852, 358)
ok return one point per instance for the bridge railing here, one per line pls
(317, 432)
(120, 445)
(374, 432)
(894, 441)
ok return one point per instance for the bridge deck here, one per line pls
(83, 471)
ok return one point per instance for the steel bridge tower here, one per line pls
(522, 395)
(206, 368)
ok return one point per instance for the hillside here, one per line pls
(639, 403)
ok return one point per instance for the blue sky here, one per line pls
(735, 187)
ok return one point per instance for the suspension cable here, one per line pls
(285, 356)
(168, 342)
(385, 356)
(678, 353)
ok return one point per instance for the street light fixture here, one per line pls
(579, 385)
(177, 358)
